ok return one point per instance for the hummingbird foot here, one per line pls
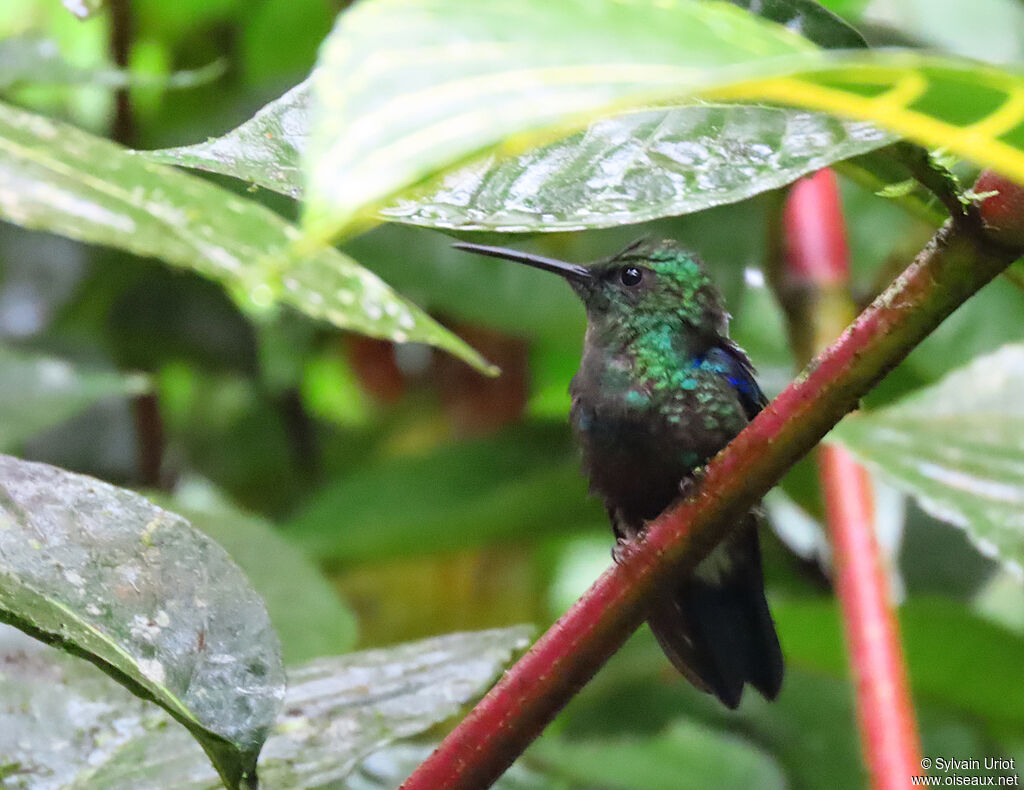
(624, 548)
(689, 483)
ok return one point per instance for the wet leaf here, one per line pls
(639, 167)
(305, 610)
(63, 180)
(404, 89)
(37, 392)
(958, 448)
(265, 150)
(309, 617)
(66, 727)
(619, 170)
(161, 608)
(395, 107)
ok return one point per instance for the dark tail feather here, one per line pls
(718, 631)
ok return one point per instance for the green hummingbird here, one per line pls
(660, 390)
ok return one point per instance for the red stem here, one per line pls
(955, 264)
(817, 258)
(816, 250)
(892, 749)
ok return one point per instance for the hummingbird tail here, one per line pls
(717, 630)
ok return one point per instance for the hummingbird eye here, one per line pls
(630, 276)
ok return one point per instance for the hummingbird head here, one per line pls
(650, 285)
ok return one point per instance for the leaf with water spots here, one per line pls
(38, 391)
(638, 167)
(158, 606)
(406, 90)
(65, 727)
(60, 179)
(309, 616)
(265, 150)
(958, 448)
(620, 170)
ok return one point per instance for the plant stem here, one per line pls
(938, 180)
(817, 257)
(954, 265)
(123, 127)
(889, 740)
(149, 426)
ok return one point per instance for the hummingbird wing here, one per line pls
(730, 360)
(716, 628)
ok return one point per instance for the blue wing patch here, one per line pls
(729, 360)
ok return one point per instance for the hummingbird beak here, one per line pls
(573, 272)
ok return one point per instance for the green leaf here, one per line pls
(60, 179)
(265, 150)
(395, 106)
(808, 18)
(158, 606)
(619, 170)
(884, 174)
(954, 657)
(958, 448)
(64, 727)
(846, 8)
(404, 89)
(516, 486)
(305, 610)
(898, 189)
(37, 392)
(638, 167)
(688, 756)
(38, 61)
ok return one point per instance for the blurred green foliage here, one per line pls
(397, 483)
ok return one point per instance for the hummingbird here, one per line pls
(659, 391)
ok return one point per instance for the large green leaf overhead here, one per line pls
(161, 608)
(638, 167)
(57, 178)
(958, 447)
(619, 170)
(406, 89)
